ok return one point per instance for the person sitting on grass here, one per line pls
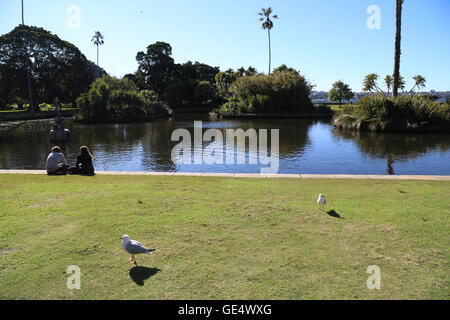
(84, 164)
(56, 162)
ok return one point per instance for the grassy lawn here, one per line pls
(223, 238)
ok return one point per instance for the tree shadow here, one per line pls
(140, 274)
(334, 214)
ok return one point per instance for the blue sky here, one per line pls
(327, 40)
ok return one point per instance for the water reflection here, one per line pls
(306, 146)
(399, 147)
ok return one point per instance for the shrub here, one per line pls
(374, 107)
(231, 107)
(260, 104)
(115, 100)
(410, 108)
(284, 90)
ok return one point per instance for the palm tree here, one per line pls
(251, 71)
(401, 83)
(388, 80)
(398, 37)
(370, 83)
(98, 41)
(419, 82)
(267, 24)
(240, 72)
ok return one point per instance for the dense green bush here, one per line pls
(113, 100)
(233, 106)
(411, 108)
(375, 107)
(284, 90)
(260, 104)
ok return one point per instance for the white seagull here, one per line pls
(133, 247)
(321, 201)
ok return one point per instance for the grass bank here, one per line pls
(223, 238)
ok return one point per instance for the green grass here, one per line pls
(223, 238)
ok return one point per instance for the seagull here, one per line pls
(133, 247)
(321, 201)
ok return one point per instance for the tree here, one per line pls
(59, 69)
(240, 72)
(283, 91)
(388, 80)
(196, 71)
(224, 81)
(398, 37)
(156, 67)
(340, 91)
(98, 41)
(251, 71)
(401, 83)
(267, 25)
(370, 83)
(419, 82)
(283, 67)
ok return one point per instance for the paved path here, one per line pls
(246, 175)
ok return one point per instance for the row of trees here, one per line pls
(55, 68)
(180, 85)
(59, 69)
(341, 91)
(186, 85)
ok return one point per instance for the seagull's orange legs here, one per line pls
(132, 259)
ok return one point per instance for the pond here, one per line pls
(305, 147)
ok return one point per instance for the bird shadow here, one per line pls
(140, 274)
(334, 214)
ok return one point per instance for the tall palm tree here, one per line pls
(30, 95)
(98, 41)
(267, 25)
(420, 82)
(398, 38)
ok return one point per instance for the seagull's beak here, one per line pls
(121, 238)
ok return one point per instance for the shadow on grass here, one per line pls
(334, 214)
(140, 274)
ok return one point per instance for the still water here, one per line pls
(305, 146)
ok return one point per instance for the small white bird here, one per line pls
(321, 202)
(133, 247)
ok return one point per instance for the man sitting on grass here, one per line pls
(56, 162)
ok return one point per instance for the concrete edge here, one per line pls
(249, 175)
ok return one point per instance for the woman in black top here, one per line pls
(84, 164)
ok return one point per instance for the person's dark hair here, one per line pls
(56, 149)
(85, 151)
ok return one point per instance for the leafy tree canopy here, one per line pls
(156, 67)
(57, 67)
(340, 91)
